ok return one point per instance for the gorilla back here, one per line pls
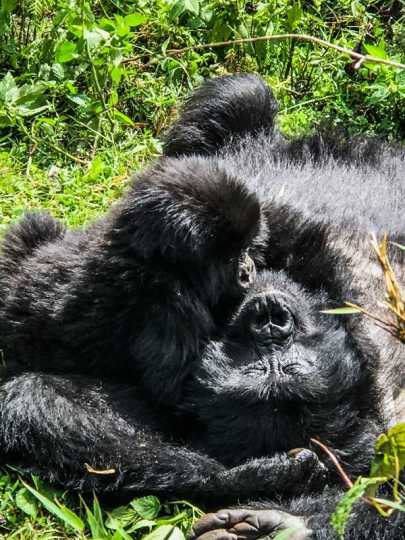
(196, 302)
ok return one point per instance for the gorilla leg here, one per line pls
(63, 424)
(221, 108)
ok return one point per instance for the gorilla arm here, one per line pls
(61, 423)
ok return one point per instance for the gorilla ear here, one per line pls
(187, 210)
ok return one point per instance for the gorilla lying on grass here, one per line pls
(180, 341)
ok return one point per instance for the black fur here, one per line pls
(146, 342)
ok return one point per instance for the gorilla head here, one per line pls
(281, 373)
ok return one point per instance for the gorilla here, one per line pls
(180, 340)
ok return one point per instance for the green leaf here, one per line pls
(121, 27)
(344, 507)
(135, 19)
(120, 517)
(80, 99)
(165, 532)
(341, 311)
(59, 510)
(294, 15)
(95, 37)
(65, 52)
(116, 74)
(123, 118)
(147, 507)
(26, 502)
(142, 524)
(389, 452)
(9, 91)
(177, 9)
(8, 5)
(193, 6)
(373, 50)
(95, 520)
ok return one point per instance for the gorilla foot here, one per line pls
(248, 524)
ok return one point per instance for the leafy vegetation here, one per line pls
(86, 88)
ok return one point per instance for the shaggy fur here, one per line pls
(180, 339)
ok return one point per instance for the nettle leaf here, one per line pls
(65, 52)
(26, 502)
(135, 19)
(165, 532)
(147, 507)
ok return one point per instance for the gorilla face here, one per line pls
(278, 371)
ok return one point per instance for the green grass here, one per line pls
(77, 119)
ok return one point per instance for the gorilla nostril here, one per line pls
(271, 319)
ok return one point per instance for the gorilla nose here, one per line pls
(271, 320)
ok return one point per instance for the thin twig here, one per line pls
(281, 37)
(334, 460)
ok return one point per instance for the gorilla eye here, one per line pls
(247, 271)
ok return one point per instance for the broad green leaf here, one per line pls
(116, 74)
(59, 510)
(165, 532)
(294, 15)
(65, 52)
(341, 311)
(142, 524)
(26, 502)
(8, 5)
(121, 517)
(95, 37)
(58, 71)
(373, 50)
(80, 99)
(8, 89)
(121, 26)
(147, 507)
(193, 6)
(135, 19)
(177, 9)
(31, 109)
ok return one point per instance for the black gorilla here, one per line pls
(180, 340)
